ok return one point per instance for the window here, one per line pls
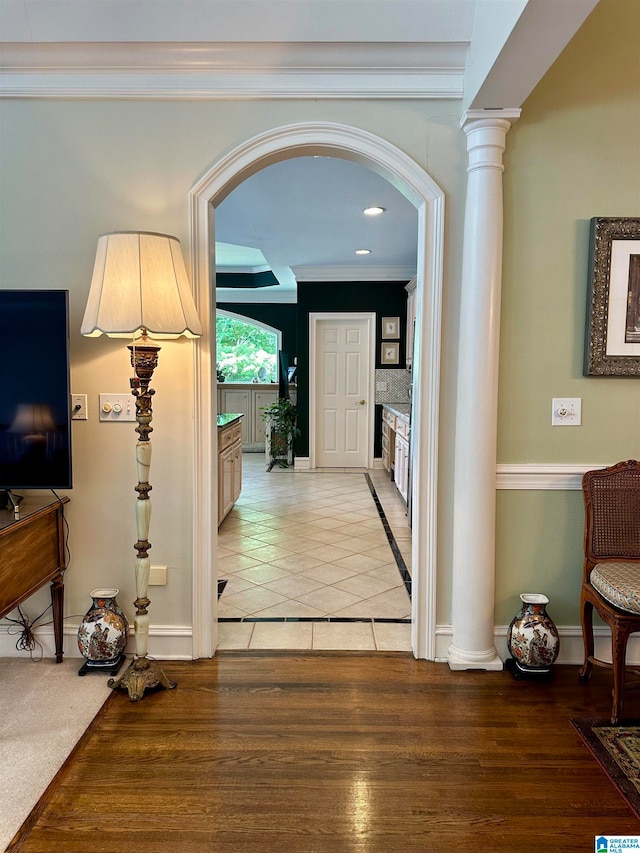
(246, 349)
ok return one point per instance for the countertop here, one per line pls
(226, 418)
(400, 410)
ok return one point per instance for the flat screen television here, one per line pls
(35, 417)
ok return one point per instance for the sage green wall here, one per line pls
(574, 154)
(73, 169)
(539, 549)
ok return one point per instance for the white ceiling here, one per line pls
(304, 215)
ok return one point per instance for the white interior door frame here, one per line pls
(314, 320)
(352, 143)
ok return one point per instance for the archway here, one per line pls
(336, 140)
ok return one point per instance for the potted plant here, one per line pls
(281, 419)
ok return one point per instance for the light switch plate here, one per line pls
(566, 411)
(117, 407)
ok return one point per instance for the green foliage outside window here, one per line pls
(244, 352)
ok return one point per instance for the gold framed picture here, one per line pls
(390, 328)
(390, 353)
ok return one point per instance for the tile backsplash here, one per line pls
(397, 385)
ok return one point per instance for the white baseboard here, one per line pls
(166, 642)
(173, 642)
(571, 647)
(302, 463)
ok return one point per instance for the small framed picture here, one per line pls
(390, 353)
(390, 328)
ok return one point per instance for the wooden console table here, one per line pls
(32, 553)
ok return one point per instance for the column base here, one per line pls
(461, 659)
(142, 674)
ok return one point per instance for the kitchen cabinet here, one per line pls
(401, 467)
(249, 399)
(388, 439)
(229, 462)
(396, 431)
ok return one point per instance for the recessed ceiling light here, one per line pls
(373, 211)
(363, 251)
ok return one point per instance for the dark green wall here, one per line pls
(386, 298)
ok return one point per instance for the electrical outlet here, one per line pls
(566, 411)
(158, 576)
(117, 407)
(79, 407)
(381, 385)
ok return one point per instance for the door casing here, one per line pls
(352, 143)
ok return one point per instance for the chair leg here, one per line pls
(587, 639)
(619, 640)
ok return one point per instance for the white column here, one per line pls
(473, 582)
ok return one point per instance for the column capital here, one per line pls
(489, 118)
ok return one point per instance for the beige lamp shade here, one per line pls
(140, 282)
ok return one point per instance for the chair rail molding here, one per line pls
(543, 476)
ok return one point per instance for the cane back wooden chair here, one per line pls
(611, 581)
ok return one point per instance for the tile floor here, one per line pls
(308, 563)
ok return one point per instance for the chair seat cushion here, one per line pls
(619, 584)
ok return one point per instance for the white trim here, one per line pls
(205, 440)
(314, 319)
(232, 87)
(571, 645)
(325, 139)
(318, 273)
(171, 642)
(302, 463)
(542, 476)
(233, 70)
(268, 295)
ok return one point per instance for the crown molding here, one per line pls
(352, 273)
(226, 295)
(232, 71)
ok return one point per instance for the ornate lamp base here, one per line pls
(142, 673)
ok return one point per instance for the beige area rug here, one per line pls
(45, 709)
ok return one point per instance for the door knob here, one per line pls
(362, 402)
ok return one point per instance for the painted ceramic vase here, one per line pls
(103, 632)
(532, 636)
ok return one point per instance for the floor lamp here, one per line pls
(140, 289)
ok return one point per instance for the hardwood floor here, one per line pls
(315, 752)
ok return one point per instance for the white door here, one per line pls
(342, 367)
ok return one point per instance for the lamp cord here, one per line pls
(27, 640)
